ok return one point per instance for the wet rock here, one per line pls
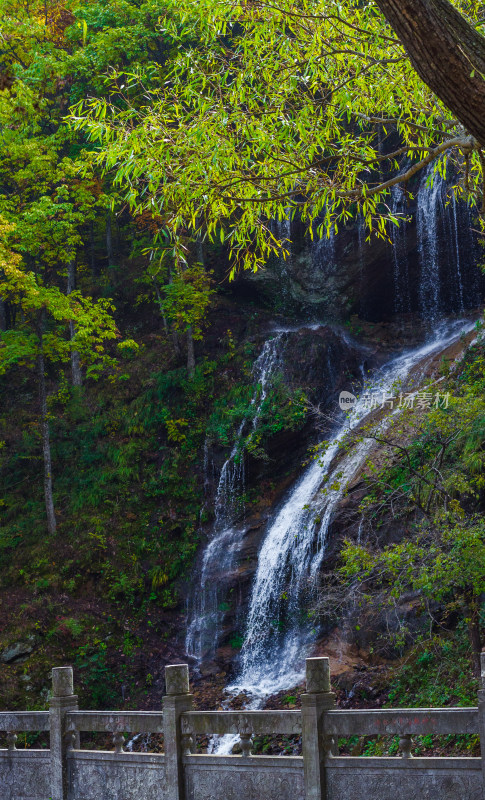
(334, 278)
(323, 360)
(18, 651)
(209, 668)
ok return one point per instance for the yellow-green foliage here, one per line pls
(435, 481)
(270, 110)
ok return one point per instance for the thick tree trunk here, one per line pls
(46, 445)
(447, 53)
(77, 378)
(3, 316)
(190, 353)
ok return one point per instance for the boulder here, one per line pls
(18, 651)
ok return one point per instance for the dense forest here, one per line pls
(214, 218)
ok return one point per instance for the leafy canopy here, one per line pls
(269, 110)
(94, 323)
(187, 298)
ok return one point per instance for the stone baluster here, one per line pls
(405, 744)
(71, 738)
(314, 703)
(62, 701)
(188, 738)
(177, 700)
(330, 746)
(481, 718)
(11, 741)
(246, 742)
(187, 744)
(119, 741)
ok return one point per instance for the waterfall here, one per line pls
(218, 558)
(399, 237)
(441, 246)
(456, 242)
(282, 231)
(231, 480)
(429, 207)
(278, 634)
(324, 253)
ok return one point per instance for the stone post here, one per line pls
(63, 700)
(314, 703)
(177, 700)
(481, 718)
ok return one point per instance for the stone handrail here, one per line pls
(67, 772)
(412, 721)
(110, 721)
(24, 721)
(254, 722)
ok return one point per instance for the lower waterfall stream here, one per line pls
(272, 655)
(277, 636)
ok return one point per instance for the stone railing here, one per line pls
(66, 771)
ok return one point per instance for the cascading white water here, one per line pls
(277, 633)
(399, 238)
(440, 242)
(429, 206)
(206, 615)
(324, 253)
(456, 241)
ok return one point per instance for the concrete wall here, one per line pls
(67, 772)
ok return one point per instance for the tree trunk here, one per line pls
(46, 445)
(77, 378)
(3, 316)
(92, 252)
(160, 305)
(474, 632)
(175, 336)
(447, 53)
(190, 353)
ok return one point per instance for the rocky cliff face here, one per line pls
(379, 280)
